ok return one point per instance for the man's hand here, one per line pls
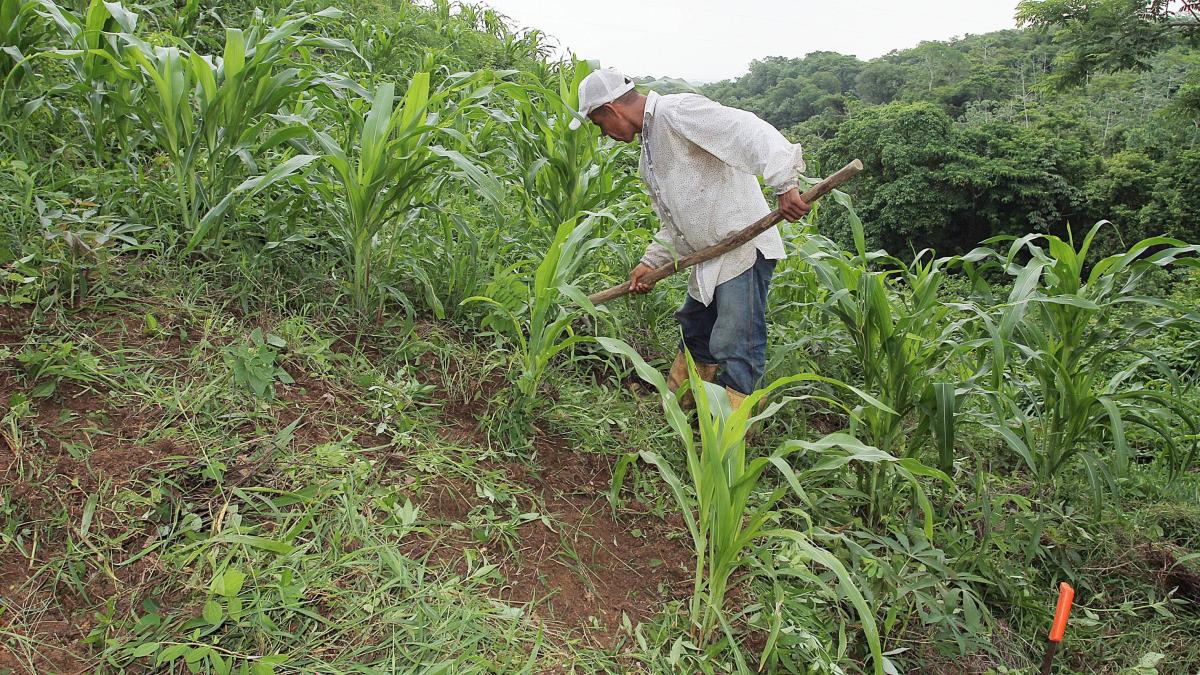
(636, 284)
(793, 207)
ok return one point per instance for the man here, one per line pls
(699, 162)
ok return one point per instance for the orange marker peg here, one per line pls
(1062, 610)
(1066, 595)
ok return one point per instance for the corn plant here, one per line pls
(1064, 376)
(386, 160)
(21, 31)
(238, 95)
(901, 343)
(105, 89)
(215, 118)
(533, 314)
(733, 523)
(564, 172)
(466, 248)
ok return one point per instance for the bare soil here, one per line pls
(1169, 574)
(584, 573)
(592, 568)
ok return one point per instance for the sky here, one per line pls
(709, 40)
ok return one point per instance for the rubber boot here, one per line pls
(736, 399)
(679, 374)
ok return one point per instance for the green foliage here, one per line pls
(1062, 370)
(79, 242)
(327, 166)
(903, 342)
(1109, 35)
(21, 30)
(969, 139)
(535, 316)
(49, 364)
(219, 112)
(786, 91)
(727, 531)
(255, 363)
(387, 158)
(100, 84)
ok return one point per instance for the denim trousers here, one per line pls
(732, 330)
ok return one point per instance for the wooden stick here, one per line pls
(734, 240)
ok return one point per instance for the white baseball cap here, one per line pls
(600, 87)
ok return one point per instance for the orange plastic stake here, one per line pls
(1062, 610)
(1066, 595)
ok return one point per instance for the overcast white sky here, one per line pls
(708, 40)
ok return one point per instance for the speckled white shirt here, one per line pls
(699, 162)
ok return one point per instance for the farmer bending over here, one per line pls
(699, 162)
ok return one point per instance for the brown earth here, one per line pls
(587, 569)
(594, 568)
(584, 572)
(1169, 574)
(92, 449)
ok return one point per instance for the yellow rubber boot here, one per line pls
(736, 400)
(679, 374)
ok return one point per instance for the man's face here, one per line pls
(613, 123)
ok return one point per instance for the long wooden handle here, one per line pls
(734, 240)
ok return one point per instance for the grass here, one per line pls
(258, 416)
(387, 549)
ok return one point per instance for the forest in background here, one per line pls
(980, 136)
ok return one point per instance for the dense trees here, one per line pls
(1111, 35)
(982, 135)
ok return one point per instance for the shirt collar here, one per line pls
(648, 116)
(651, 102)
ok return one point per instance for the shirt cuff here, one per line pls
(793, 172)
(790, 185)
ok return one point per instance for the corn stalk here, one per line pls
(105, 88)
(387, 158)
(1063, 376)
(538, 321)
(730, 520)
(21, 31)
(215, 118)
(564, 172)
(902, 342)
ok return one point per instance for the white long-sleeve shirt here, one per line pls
(699, 162)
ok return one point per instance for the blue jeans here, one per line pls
(732, 330)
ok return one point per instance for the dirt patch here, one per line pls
(585, 570)
(46, 639)
(1169, 574)
(324, 409)
(443, 501)
(88, 443)
(15, 323)
(466, 392)
(590, 569)
(86, 451)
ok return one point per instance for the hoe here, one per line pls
(734, 240)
